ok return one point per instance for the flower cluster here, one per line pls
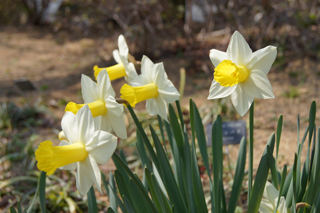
(86, 140)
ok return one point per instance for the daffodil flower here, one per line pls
(107, 113)
(153, 86)
(84, 149)
(241, 73)
(124, 68)
(269, 204)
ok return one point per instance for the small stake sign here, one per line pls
(233, 131)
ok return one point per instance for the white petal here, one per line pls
(282, 205)
(139, 81)
(88, 173)
(116, 56)
(123, 47)
(84, 125)
(102, 147)
(238, 50)
(218, 91)
(131, 72)
(89, 89)
(216, 56)
(117, 124)
(71, 166)
(169, 93)
(159, 76)
(113, 106)
(104, 124)
(266, 206)
(147, 67)
(263, 59)
(241, 100)
(157, 106)
(270, 192)
(104, 85)
(257, 85)
(68, 125)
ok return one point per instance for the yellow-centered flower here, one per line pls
(153, 86)
(241, 73)
(83, 149)
(124, 68)
(107, 113)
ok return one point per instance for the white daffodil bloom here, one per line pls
(271, 195)
(153, 86)
(85, 149)
(241, 73)
(124, 68)
(107, 113)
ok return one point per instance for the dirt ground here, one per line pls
(55, 69)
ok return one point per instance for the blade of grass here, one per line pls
(12, 209)
(238, 177)
(250, 169)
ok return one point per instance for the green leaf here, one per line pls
(142, 152)
(238, 177)
(92, 201)
(167, 176)
(19, 207)
(316, 206)
(180, 114)
(176, 130)
(42, 191)
(128, 205)
(261, 177)
(123, 157)
(124, 189)
(136, 180)
(157, 195)
(144, 137)
(250, 169)
(274, 173)
(279, 130)
(113, 197)
(314, 184)
(283, 178)
(294, 180)
(12, 209)
(199, 197)
(196, 124)
(110, 210)
(112, 193)
(139, 200)
(217, 162)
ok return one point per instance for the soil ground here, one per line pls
(55, 69)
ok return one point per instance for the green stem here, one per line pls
(250, 171)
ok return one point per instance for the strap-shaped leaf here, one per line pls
(238, 177)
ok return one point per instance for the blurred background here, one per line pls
(45, 46)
